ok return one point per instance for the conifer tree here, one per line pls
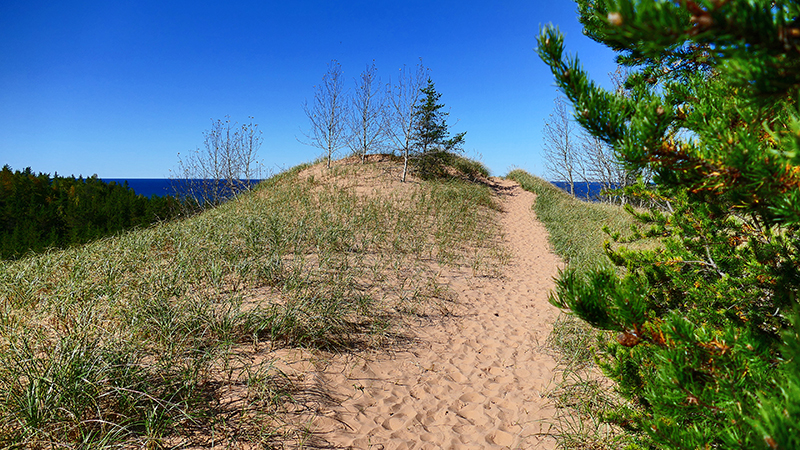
(430, 140)
(39, 212)
(708, 321)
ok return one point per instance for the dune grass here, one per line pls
(149, 338)
(583, 397)
(575, 226)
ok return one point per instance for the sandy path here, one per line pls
(473, 382)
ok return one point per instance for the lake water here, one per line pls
(151, 186)
(582, 191)
(146, 186)
(163, 186)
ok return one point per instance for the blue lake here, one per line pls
(582, 190)
(146, 186)
(151, 186)
(163, 186)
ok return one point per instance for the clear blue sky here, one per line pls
(118, 88)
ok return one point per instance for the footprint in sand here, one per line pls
(477, 383)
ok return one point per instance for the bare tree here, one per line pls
(603, 166)
(328, 113)
(225, 166)
(602, 163)
(368, 118)
(562, 152)
(572, 155)
(404, 96)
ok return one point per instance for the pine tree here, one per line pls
(707, 322)
(430, 140)
(38, 212)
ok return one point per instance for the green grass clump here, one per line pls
(139, 339)
(469, 167)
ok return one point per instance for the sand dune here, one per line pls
(473, 381)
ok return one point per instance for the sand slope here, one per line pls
(474, 381)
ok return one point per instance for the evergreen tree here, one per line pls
(39, 212)
(430, 140)
(707, 322)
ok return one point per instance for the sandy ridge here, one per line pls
(475, 382)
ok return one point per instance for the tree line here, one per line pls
(403, 116)
(707, 318)
(39, 212)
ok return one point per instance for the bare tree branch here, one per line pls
(404, 96)
(226, 165)
(368, 119)
(561, 151)
(328, 113)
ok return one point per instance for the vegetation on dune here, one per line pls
(405, 117)
(144, 338)
(706, 323)
(575, 228)
(225, 167)
(160, 337)
(433, 148)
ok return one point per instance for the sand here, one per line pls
(473, 381)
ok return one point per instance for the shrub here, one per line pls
(706, 344)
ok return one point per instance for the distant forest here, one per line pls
(38, 211)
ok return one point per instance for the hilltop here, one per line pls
(325, 306)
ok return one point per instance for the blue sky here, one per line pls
(119, 88)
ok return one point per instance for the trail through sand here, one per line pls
(475, 381)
